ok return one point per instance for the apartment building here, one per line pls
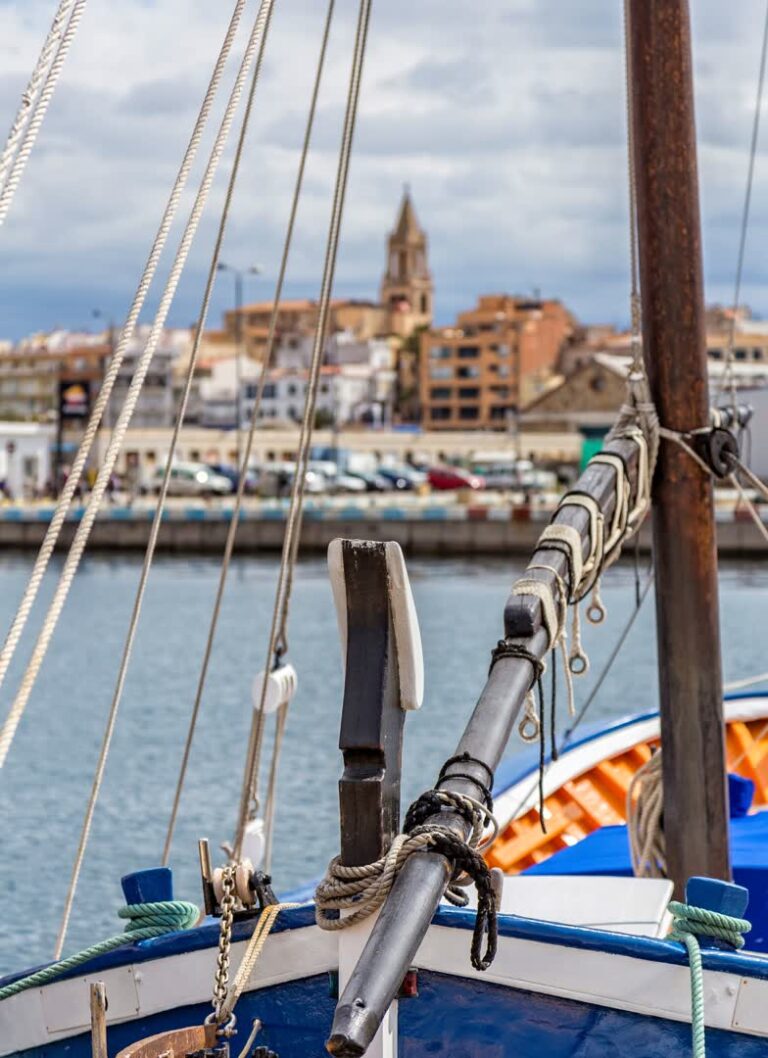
(498, 356)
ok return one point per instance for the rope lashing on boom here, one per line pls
(362, 890)
(144, 922)
(690, 923)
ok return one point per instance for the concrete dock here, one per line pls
(426, 527)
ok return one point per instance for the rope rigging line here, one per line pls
(728, 379)
(644, 809)
(105, 472)
(263, 19)
(278, 631)
(68, 491)
(235, 519)
(36, 99)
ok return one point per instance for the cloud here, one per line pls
(506, 118)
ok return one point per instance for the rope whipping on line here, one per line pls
(728, 380)
(36, 99)
(150, 268)
(278, 631)
(118, 434)
(264, 17)
(235, 519)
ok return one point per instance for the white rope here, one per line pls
(30, 94)
(150, 268)
(249, 790)
(561, 639)
(37, 106)
(622, 491)
(570, 538)
(235, 519)
(264, 16)
(645, 805)
(105, 472)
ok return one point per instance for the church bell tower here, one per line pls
(406, 288)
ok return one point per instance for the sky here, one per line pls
(505, 117)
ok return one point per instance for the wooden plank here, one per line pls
(371, 737)
(98, 1020)
(175, 1044)
(684, 540)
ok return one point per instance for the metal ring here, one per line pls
(225, 1028)
(529, 728)
(595, 613)
(578, 663)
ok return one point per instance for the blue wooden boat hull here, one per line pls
(554, 991)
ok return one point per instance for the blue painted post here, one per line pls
(725, 898)
(148, 887)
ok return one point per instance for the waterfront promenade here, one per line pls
(439, 524)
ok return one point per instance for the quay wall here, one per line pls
(427, 530)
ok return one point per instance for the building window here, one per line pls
(269, 390)
(439, 413)
(291, 390)
(468, 372)
(499, 413)
(424, 304)
(469, 352)
(441, 373)
(757, 354)
(716, 354)
(469, 413)
(440, 393)
(503, 370)
(740, 354)
(469, 392)
(502, 350)
(440, 352)
(500, 391)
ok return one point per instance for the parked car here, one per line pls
(403, 477)
(233, 475)
(442, 478)
(373, 481)
(192, 479)
(276, 479)
(337, 480)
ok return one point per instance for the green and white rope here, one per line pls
(690, 923)
(144, 922)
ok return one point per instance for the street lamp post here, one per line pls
(239, 274)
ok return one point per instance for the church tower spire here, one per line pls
(406, 288)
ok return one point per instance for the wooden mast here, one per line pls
(684, 537)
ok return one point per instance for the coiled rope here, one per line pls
(144, 922)
(645, 805)
(362, 890)
(690, 923)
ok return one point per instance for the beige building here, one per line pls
(496, 358)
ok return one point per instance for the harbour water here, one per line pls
(45, 783)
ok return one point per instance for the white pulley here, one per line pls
(281, 687)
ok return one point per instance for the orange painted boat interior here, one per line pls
(598, 798)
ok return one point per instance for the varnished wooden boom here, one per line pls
(405, 917)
